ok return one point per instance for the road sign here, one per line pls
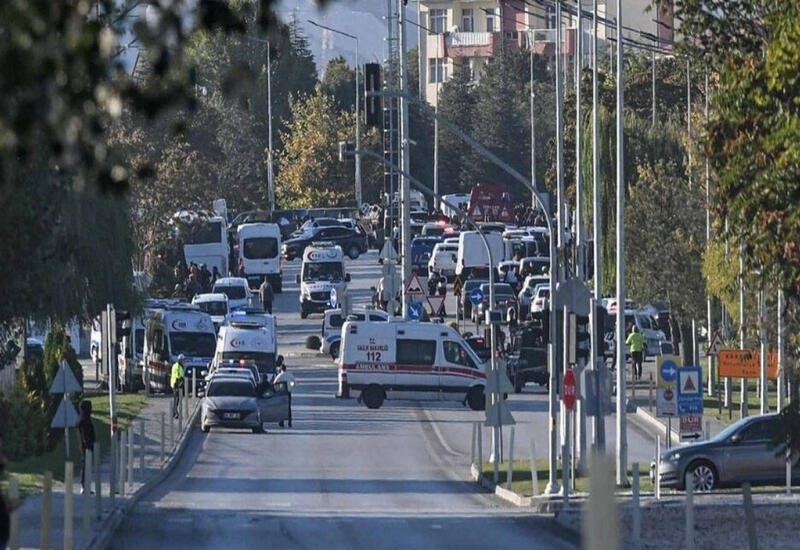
(573, 294)
(667, 390)
(415, 311)
(690, 390)
(457, 286)
(742, 363)
(334, 299)
(388, 252)
(497, 386)
(66, 416)
(715, 345)
(569, 390)
(435, 304)
(414, 287)
(65, 381)
(476, 296)
(691, 427)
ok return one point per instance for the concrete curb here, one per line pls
(102, 539)
(652, 424)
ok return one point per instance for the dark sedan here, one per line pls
(352, 241)
(504, 298)
(743, 452)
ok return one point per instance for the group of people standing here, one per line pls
(195, 280)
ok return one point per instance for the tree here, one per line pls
(457, 105)
(339, 83)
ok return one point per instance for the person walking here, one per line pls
(636, 341)
(176, 383)
(285, 377)
(86, 433)
(266, 295)
(240, 272)
(441, 290)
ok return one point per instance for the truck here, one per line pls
(491, 202)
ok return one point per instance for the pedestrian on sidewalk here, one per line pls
(636, 342)
(287, 378)
(266, 294)
(86, 432)
(176, 383)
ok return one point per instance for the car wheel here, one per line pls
(335, 350)
(476, 399)
(704, 476)
(354, 252)
(373, 396)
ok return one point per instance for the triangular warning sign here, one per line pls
(476, 210)
(64, 381)
(435, 303)
(689, 386)
(715, 345)
(66, 416)
(388, 252)
(414, 287)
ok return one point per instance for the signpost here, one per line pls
(415, 311)
(569, 392)
(435, 304)
(691, 427)
(334, 300)
(457, 286)
(476, 296)
(742, 363)
(414, 287)
(66, 416)
(690, 391)
(667, 389)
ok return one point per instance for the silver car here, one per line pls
(234, 402)
(743, 452)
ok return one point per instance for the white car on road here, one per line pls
(443, 258)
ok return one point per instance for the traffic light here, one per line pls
(582, 337)
(122, 324)
(373, 110)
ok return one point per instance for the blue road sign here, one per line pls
(690, 390)
(415, 311)
(334, 298)
(669, 370)
(476, 296)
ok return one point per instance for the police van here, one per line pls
(409, 360)
(174, 330)
(248, 341)
(322, 270)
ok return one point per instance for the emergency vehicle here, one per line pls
(248, 341)
(130, 360)
(322, 270)
(259, 247)
(332, 322)
(491, 202)
(177, 329)
(409, 360)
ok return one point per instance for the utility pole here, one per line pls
(579, 236)
(436, 122)
(781, 375)
(762, 336)
(708, 240)
(560, 141)
(597, 249)
(743, 411)
(358, 132)
(622, 429)
(420, 59)
(532, 41)
(405, 160)
(270, 169)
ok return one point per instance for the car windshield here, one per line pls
(232, 292)
(214, 308)
(260, 248)
(322, 271)
(231, 388)
(193, 344)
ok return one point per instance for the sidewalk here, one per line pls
(30, 512)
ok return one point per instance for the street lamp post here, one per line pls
(358, 191)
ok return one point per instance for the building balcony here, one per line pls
(470, 44)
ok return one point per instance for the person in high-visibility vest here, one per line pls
(176, 383)
(636, 342)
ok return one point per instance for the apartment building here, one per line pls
(473, 31)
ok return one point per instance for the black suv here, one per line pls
(352, 241)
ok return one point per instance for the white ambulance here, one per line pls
(248, 341)
(409, 360)
(322, 270)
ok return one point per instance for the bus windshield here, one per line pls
(205, 233)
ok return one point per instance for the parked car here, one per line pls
(352, 241)
(541, 298)
(525, 296)
(742, 452)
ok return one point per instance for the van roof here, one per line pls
(230, 281)
(210, 297)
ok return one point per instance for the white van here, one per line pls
(458, 200)
(215, 304)
(472, 251)
(260, 250)
(333, 320)
(322, 270)
(130, 360)
(409, 360)
(443, 258)
(247, 341)
(172, 331)
(236, 289)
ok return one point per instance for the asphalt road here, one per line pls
(342, 477)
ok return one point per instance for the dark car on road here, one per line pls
(742, 452)
(352, 241)
(466, 304)
(504, 298)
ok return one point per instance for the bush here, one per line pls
(313, 342)
(26, 430)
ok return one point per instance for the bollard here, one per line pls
(534, 469)
(510, 468)
(194, 386)
(708, 429)
(115, 476)
(87, 493)
(141, 448)
(147, 382)
(47, 511)
(163, 428)
(689, 483)
(650, 400)
(98, 496)
(130, 455)
(171, 431)
(180, 421)
(788, 471)
(636, 519)
(68, 510)
(13, 495)
(600, 530)
(472, 443)
(185, 400)
(749, 517)
(658, 462)
(123, 459)
(480, 453)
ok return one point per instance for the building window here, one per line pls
(437, 70)
(491, 21)
(438, 20)
(467, 20)
(551, 17)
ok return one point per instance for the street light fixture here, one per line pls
(358, 109)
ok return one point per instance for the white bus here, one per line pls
(207, 243)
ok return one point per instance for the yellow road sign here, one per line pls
(457, 286)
